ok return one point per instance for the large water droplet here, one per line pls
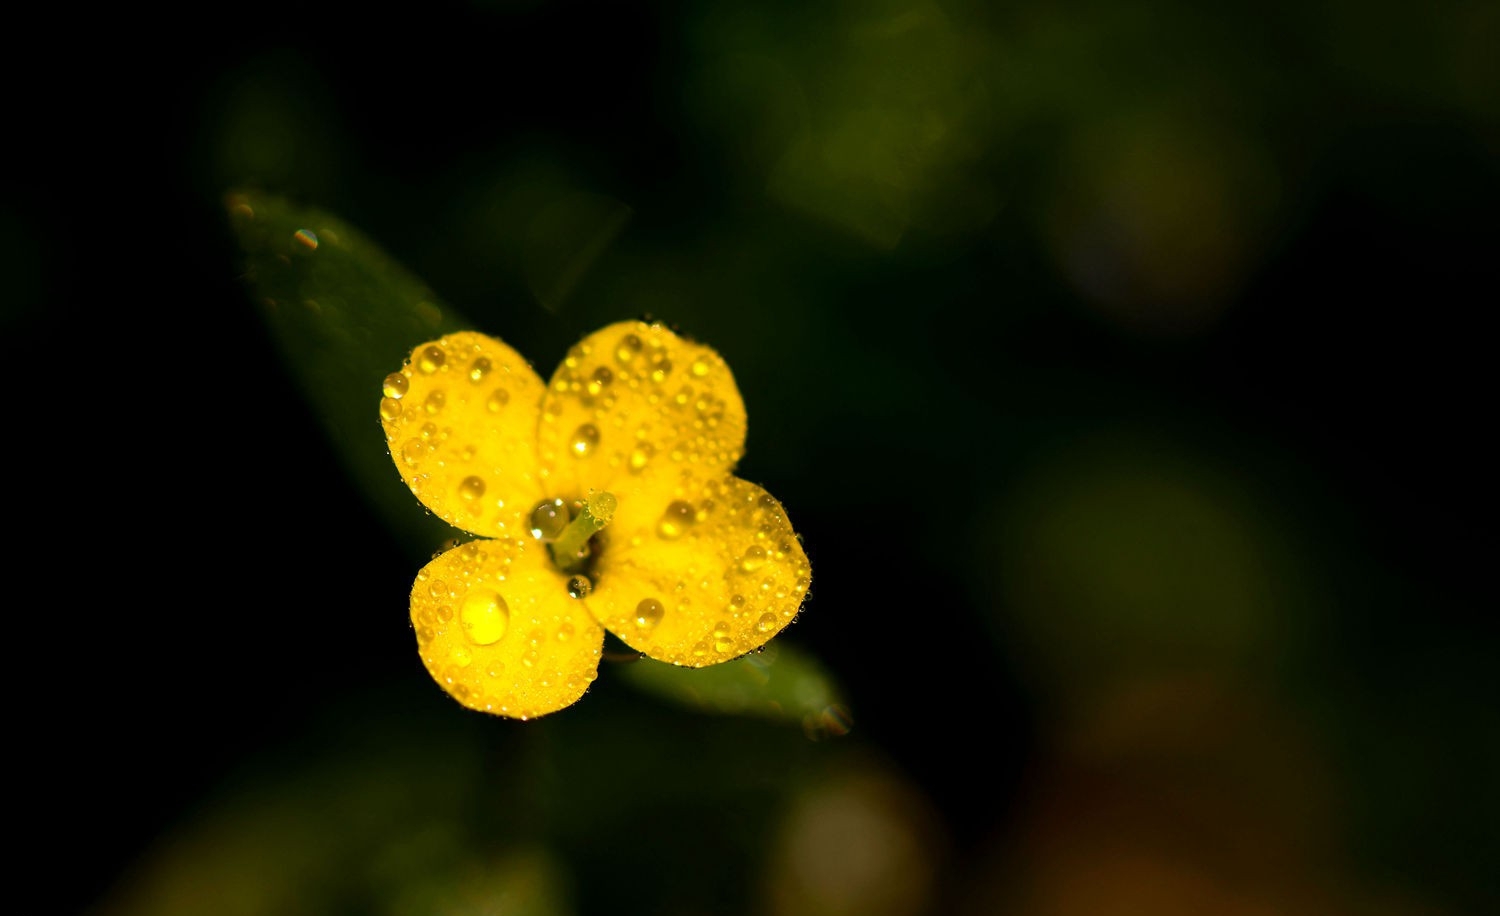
(723, 638)
(629, 346)
(431, 359)
(498, 399)
(395, 385)
(549, 519)
(754, 558)
(484, 615)
(413, 451)
(579, 587)
(648, 613)
(599, 380)
(479, 368)
(766, 623)
(390, 409)
(675, 520)
(435, 401)
(585, 439)
(471, 488)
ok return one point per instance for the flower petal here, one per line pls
(497, 630)
(708, 580)
(460, 420)
(640, 412)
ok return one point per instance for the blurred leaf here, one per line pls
(779, 683)
(345, 315)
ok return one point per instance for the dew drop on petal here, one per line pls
(599, 380)
(471, 488)
(629, 346)
(479, 368)
(548, 519)
(766, 623)
(495, 669)
(675, 520)
(435, 401)
(754, 558)
(579, 587)
(498, 399)
(639, 456)
(485, 616)
(700, 368)
(390, 409)
(431, 360)
(395, 385)
(585, 439)
(648, 613)
(461, 656)
(413, 451)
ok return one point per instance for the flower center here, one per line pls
(570, 540)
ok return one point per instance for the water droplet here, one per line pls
(495, 669)
(498, 399)
(424, 635)
(585, 438)
(395, 385)
(700, 367)
(629, 346)
(766, 623)
(435, 401)
(640, 455)
(564, 631)
(579, 587)
(675, 520)
(599, 380)
(390, 409)
(431, 360)
(479, 368)
(754, 558)
(471, 488)
(462, 657)
(660, 369)
(548, 519)
(648, 613)
(413, 451)
(485, 616)
(723, 639)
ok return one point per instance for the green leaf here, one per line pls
(780, 683)
(345, 315)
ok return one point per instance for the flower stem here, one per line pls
(570, 550)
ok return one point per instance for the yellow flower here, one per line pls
(604, 500)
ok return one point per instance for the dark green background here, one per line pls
(1127, 374)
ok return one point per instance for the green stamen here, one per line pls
(570, 550)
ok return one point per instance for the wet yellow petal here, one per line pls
(460, 420)
(496, 628)
(707, 579)
(642, 413)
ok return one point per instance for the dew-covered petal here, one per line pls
(642, 413)
(497, 630)
(460, 419)
(708, 579)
